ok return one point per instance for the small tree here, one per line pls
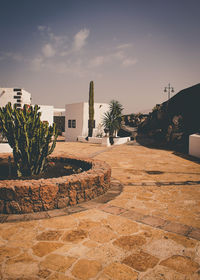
(29, 138)
(112, 119)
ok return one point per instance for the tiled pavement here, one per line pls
(149, 229)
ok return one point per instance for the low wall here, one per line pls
(26, 196)
(194, 145)
(104, 140)
(5, 148)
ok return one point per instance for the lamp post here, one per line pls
(169, 89)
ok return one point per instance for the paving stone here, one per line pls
(49, 235)
(112, 209)
(119, 271)
(183, 240)
(36, 216)
(75, 236)
(181, 264)
(3, 218)
(163, 273)
(7, 252)
(133, 215)
(85, 269)
(59, 222)
(154, 221)
(43, 273)
(41, 249)
(176, 228)
(163, 248)
(101, 234)
(105, 253)
(87, 224)
(141, 261)
(57, 262)
(21, 270)
(122, 226)
(59, 276)
(130, 242)
(57, 212)
(195, 233)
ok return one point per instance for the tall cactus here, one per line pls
(91, 110)
(29, 138)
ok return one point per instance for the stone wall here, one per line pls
(26, 196)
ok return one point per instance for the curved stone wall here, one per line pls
(26, 196)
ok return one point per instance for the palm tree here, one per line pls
(112, 119)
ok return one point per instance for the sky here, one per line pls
(131, 49)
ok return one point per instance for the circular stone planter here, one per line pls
(26, 196)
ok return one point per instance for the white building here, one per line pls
(76, 120)
(14, 96)
(46, 113)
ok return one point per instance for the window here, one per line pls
(17, 89)
(16, 97)
(19, 93)
(71, 123)
(19, 100)
(74, 123)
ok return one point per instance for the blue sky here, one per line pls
(131, 49)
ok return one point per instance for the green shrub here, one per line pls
(29, 138)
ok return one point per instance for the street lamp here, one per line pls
(169, 89)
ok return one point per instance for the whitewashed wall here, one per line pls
(47, 113)
(73, 112)
(8, 94)
(80, 113)
(59, 111)
(194, 145)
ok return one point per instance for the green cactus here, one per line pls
(29, 138)
(91, 110)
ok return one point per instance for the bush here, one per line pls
(29, 138)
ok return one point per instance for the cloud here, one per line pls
(37, 63)
(97, 61)
(80, 39)
(41, 27)
(48, 50)
(129, 61)
(11, 55)
(124, 46)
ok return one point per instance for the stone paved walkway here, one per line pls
(148, 230)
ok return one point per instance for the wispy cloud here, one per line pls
(80, 39)
(124, 46)
(48, 50)
(11, 55)
(97, 61)
(129, 61)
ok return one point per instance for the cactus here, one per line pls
(91, 110)
(29, 138)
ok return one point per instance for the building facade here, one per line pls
(77, 117)
(14, 96)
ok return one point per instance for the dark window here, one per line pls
(19, 100)
(17, 89)
(19, 93)
(71, 123)
(93, 123)
(74, 123)
(16, 97)
(18, 105)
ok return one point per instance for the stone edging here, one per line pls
(26, 196)
(115, 189)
